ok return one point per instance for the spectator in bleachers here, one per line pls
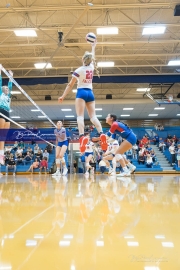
(7, 157)
(27, 158)
(172, 152)
(36, 148)
(19, 150)
(21, 144)
(7, 148)
(161, 127)
(39, 155)
(49, 148)
(162, 145)
(156, 126)
(134, 151)
(149, 148)
(141, 157)
(15, 146)
(149, 161)
(11, 165)
(156, 139)
(153, 155)
(19, 158)
(43, 165)
(35, 165)
(178, 155)
(46, 154)
(168, 142)
(169, 137)
(175, 139)
(145, 140)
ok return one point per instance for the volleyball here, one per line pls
(170, 98)
(91, 38)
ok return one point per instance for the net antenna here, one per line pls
(27, 96)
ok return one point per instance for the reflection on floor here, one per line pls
(97, 222)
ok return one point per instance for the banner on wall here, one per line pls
(37, 135)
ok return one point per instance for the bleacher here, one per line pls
(20, 168)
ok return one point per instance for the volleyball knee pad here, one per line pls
(94, 119)
(118, 157)
(80, 119)
(62, 160)
(57, 160)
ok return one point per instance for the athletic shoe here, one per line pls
(125, 174)
(132, 168)
(113, 173)
(104, 144)
(2, 159)
(110, 170)
(83, 141)
(65, 171)
(57, 173)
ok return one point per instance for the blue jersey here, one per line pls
(61, 134)
(119, 128)
(5, 100)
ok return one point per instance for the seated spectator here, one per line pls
(39, 155)
(168, 142)
(169, 137)
(15, 146)
(153, 155)
(27, 158)
(143, 150)
(7, 148)
(35, 165)
(46, 154)
(161, 127)
(145, 141)
(156, 139)
(102, 166)
(162, 145)
(149, 161)
(7, 157)
(49, 148)
(11, 165)
(43, 164)
(174, 139)
(36, 148)
(21, 144)
(141, 157)
(149, 148)
(19, 159)
(19, 150)
(156, 126)
(134, 151)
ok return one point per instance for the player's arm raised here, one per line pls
(67, 90)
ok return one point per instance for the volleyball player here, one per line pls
(85, 97)
(89, 147)
(61, 147)
(118, 127)
(5, 101)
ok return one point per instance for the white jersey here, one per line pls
(84, 76)
(115, 146)
(89, 147)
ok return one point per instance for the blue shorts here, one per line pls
(86, 94)
(87, 154)
(131, 138)
(60, 144)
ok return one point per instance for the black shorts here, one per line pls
(6, 113)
